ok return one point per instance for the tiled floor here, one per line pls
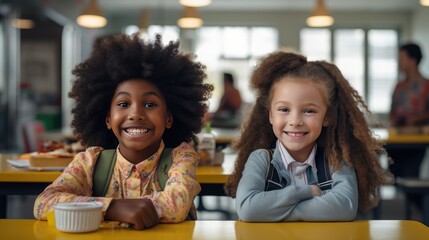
(392, 207)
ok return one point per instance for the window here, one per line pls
(235, 42)
(224, 49)
(349, 55)
(316, 43)
(366, 57)
(235, 50)
(382, 68)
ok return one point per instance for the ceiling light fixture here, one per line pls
(23, 23)
(320, 16)
(195, 3)
(92, 16)
(424, 3)
(190, 18)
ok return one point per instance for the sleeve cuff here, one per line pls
(157, 208)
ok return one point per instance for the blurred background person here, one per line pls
(410, 100)
(228, 112)
(409, 112)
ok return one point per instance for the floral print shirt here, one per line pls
(409, 99)
(129, 181)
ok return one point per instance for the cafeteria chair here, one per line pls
(419, 186)
(415, 186)
(33, 131)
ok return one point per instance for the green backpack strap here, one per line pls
(103, 172)
(106, 162)
(163, 167)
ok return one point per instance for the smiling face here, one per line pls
(297, 114)
(138, 117)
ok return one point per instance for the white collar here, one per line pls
(288, 160)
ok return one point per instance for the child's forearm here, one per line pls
(338, 204)
(73, 185)
(176, 200)
(46, 201)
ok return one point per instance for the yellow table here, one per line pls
(225, 230)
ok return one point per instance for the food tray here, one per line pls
(45, 160)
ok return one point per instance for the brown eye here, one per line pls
(123, 104)
(150, 105)
(309, 111)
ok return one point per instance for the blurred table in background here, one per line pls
(389, 136)
(406, 147)
(226, 135)
(396, 136)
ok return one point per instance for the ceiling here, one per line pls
(72, 8)
(116, 6)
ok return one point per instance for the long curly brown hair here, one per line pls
(347, 138)
(121, 57)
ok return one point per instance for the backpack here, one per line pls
(106, 162)
(274, 181)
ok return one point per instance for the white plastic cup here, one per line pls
(75, 217)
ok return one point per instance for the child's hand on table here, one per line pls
(315, 190)
(139, 213)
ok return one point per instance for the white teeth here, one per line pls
(136, 131)
(296, 134)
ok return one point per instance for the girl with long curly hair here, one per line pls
(305, 111)
(138, 97)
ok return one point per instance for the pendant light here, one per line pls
(195, 3)
(424, 3)
(190, 18)
(143, 24)
(21, 23)
(92, 16)
(320, 16)
(143, 20)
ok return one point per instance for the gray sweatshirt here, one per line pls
(293, 203)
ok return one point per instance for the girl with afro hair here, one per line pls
(305, 111)
(138, 97)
